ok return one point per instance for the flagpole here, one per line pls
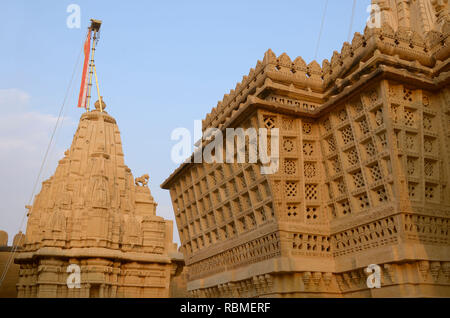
(98, 90)
(91, 67)
(85, 96)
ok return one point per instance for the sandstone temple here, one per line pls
(93, 214)
(363, 178)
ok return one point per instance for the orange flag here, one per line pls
(84, 75)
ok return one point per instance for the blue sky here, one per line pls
(161, 65)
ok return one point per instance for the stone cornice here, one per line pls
(233, 243)
(404, 44)
(92, 252)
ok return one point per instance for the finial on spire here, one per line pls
(97, 104)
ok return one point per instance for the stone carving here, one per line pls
(363, 178)
(90, 213)
(142, 180)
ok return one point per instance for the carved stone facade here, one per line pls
(94, 214)
(363, 178)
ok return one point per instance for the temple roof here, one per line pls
(92, 199)
(402, 46)
(422, 25)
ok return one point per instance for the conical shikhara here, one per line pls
(94, 214)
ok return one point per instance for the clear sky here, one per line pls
(161, 65)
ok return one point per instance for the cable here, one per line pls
(321, 29)
(15, 246)
(351, 22)
(52, 154)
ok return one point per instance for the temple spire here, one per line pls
(93, 205)
(421, 16)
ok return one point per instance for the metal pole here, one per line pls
(98, 90)
(90, 72)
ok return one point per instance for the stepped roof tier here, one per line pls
(415, 49)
